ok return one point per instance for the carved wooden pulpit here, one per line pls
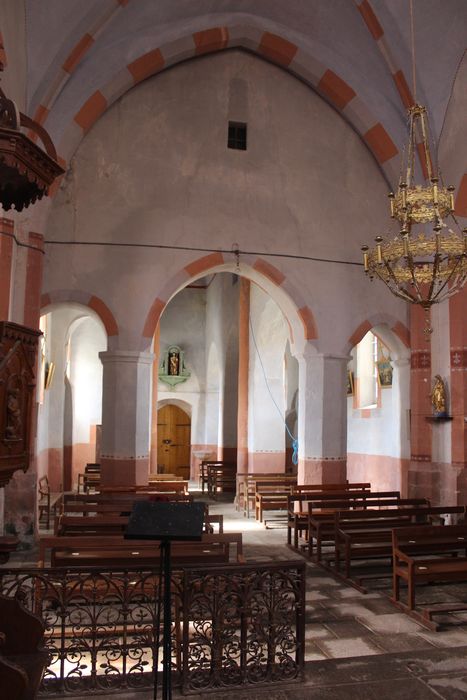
(18, 352)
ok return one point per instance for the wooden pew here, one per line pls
(321, 525)
(368, 534)
(204, 470)
(48, 502)
(104, 523)
(246, 487)
(427, 554)
(297, 503)
(90, 478)
(271, 495)
(154, 478)
(114, 551)
(221, 478)
(177, 486)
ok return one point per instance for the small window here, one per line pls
(237, 136)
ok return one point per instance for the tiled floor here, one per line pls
(358, 645)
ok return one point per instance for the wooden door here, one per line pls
(173, 441)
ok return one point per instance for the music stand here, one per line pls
(165, 522)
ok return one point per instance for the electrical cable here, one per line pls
(204, 250)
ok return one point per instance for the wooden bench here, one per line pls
(104, 523)
(368, 534)
(177, 486)
(321, 524)
(115, 551)
(48, 502)
(204, 471)
(154, 478)
(246, 487)
(297, 504)
(425, 555)
(271, 494)
(221, 478)
(90, 478)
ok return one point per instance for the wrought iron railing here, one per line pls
(232, 625)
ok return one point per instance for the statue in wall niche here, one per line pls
(438, 397)
(174, 364)
(172, 369)
(13, 428)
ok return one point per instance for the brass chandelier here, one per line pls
(420, 268)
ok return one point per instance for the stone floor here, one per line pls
(357, 645)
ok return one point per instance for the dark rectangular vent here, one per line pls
(237, 136)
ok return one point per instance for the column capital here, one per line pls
(130, 356)
(402, 362)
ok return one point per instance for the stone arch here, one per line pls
(63, 296)
(391, 331)
(185, 405)
(289, 299)
(270, 46)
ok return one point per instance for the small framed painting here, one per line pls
(384, 374)
(349, 383)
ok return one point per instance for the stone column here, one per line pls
(457, 393)
(125, 417)
(155, 381)
(401, 422)
(243, 369)
(322, 418)
(423, 480)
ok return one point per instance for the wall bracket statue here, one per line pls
(172, 369)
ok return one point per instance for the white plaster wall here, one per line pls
(266, 430)
(50, 420)
(183, 323)
(87, 339)
(385, 431)
(373, 435)
(222, 374)
(155, 169)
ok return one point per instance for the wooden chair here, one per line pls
(48, 502)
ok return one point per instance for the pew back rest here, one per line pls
(123, 548)
(413, 540)
(368, 519)
(339, 487)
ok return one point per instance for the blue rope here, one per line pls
(294, 440)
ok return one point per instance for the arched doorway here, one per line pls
(173, 441)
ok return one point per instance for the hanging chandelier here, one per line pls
(26, 171)
(420, 268)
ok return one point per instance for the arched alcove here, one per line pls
(378, 402)
(70, 409)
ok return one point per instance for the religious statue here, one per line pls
(172, 370)
(438, 397)
(173, 363)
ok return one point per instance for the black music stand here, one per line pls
(165, 522)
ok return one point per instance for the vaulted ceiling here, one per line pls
(79, 56)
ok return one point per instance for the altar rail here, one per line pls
(234, 626)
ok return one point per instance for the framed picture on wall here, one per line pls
(349, 383)
(384, 374)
